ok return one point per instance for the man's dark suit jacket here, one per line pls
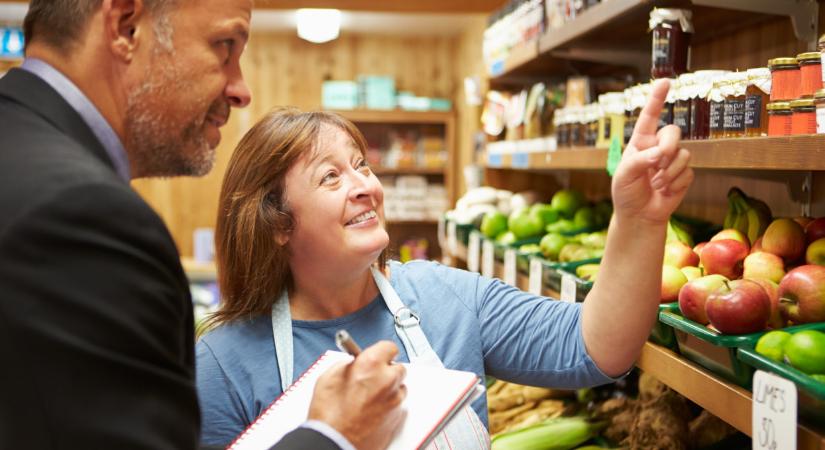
(96, 326)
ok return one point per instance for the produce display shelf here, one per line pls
(797, 153)
(727, 401)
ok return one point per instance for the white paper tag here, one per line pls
(568, 288)
(820, 121)
(452, 238)
(474, 251)
(510, 266)
(488, 262)
(774, 412)
(535, 283)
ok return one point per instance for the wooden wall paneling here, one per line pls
(282, 69)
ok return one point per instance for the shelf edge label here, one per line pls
(774, 412)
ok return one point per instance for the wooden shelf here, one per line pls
(199, 271)
(612, 37)
(397, 116)
(407, 171)
(792, 153)
(728, 402)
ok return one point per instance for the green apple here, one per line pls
(545, 212)
(551, 245)
(815, 254)
(493, 224)
(567, 201)
(692, 273)
(525, 225)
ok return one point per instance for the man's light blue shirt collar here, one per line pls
(87, 110)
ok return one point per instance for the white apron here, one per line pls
(465, 431)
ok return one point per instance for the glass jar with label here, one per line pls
(666, 116)
(717, 107)
(779, 119)
(560, 127)
(681, 109)
(614, 106)
(785, 79)
(671, 29)
(700, 102)
(810, 73)
(819, 101)
(757, 96)
(734, 115)
(803, 120)
(629, 121)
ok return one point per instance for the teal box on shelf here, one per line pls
(441, 104)
(377, 92)
(339, 95)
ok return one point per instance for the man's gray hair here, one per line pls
(61, 23)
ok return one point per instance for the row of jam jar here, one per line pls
(797, 99)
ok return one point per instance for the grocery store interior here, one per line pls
(494, 127)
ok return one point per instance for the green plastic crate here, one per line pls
(462, 232)
(811, 393)
(499, 248)
(662, 334)
(711, 350)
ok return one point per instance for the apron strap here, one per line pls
(407, 324)
(282, 336)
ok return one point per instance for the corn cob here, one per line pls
(562, 433)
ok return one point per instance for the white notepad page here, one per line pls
(433, 396)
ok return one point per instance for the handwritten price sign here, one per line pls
(774, 412)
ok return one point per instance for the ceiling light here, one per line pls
(318, 25)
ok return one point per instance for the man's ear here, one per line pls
(123, 25)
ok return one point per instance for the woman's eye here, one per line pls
(329, 177)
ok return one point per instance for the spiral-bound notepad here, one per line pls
(434, 395)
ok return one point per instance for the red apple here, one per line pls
(724, 257)
(698, 248)
(815, 230)
(732, 233)
(679, 254)
(757, 246)
(764, 265)
(802, 294)
(815, 254)
(784, 238)
(692, 273)
(775, 321)
(739, 307)
(693, 295)
(672, 280)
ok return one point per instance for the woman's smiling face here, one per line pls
(337, 204)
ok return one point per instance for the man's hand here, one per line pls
(653, 175)
(362, 400)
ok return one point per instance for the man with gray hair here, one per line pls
(96, 326)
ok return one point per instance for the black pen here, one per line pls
(346, 344)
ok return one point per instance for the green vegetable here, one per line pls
(563, 433)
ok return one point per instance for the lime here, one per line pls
(567, 201)
(805, 351)
(771, 345)
(551, 245)
(585, 217)
(560, 226)
(525, 225)
(529, 248)
(493, 224)
(819, 377)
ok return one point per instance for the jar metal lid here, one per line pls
(779, 106)
(661, 15)
(782, 62)
(820, 94)
(802, 103)
(809, 56)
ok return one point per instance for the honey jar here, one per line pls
(757, 96)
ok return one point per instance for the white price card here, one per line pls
(774, 412)
(510, 266)
(535, 282)
(474, 251)
(488, 262)
(452, 238)
(568, 288)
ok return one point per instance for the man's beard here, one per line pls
(158, 146)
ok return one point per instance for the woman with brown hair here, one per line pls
(300, 250)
